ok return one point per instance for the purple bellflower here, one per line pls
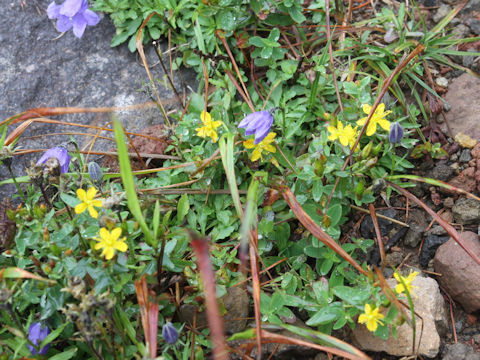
(258, 123)
(36, 334)
(72, 13)
(396, 133)
(169, 333)
(58, 152)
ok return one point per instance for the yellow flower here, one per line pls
(110, 242)
(88, 202)
(209, 127)
(371, 317)
(407, 280)
(377, 118)
(265, 144)
(346, 135)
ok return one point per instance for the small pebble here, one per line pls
(442, 81)
(446, 108)
(465, 141)
(448, 202)
(465, 156)
(453, 157)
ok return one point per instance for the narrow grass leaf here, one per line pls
(226, 151)
(67, 354)
(128, 184)
(323, 339)
(52, 336)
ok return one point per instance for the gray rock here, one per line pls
(430, 246)
(460, 31)
(394, 258)
(368, 231)
(235, 302)
(237, 305)
(446, 106)
(429, 304)
(460, 351)
(437, 230)
(414, 235)
(441, 171)
(474, 25)
(465, 156)
(39, 68)
(472, 5)
(468, 60)
(466, 211)
(442, 11)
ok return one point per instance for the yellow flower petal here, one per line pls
(385, 124)
(99, 245)
(270, 148)
(256, 154)
(82, 195)
(97, 203)
(93, 213)
(361, 121)
(371, 128)
(380, 109)
(205, 117)
(120, 246)
(116, 233)
(91, 193)
(108, 253)
(366, 108)
(80, 208)
(249, 144)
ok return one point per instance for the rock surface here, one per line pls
(460, 351)
(460, 273)
(236, 303)
(429, 303)
(430, 246)
(462, 95)
(39, 68)
(466, 211)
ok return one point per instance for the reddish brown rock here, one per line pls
(476, 151)
(465, 181)
(460, 273)
(462, 95)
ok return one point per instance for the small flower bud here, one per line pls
(367, 150)
(169, 333)
(95, 172)
(376, 150)
(396, 133)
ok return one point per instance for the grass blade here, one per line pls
(226, 151)
(128, 184)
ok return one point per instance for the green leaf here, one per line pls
(128, 184)
(324, 316)
(226, 146)
(335, 214)
(65, 355)
(53, 335)
(182, 208)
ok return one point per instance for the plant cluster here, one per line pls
(268, 164)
